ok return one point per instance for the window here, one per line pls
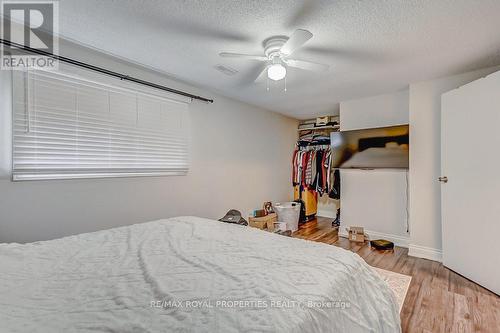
(69, 127)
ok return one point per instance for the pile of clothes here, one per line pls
(309, 137)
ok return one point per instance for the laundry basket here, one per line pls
(288, 212)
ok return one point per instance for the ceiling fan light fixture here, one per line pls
(276, 72)
(277, 52)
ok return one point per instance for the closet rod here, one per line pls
(103, 70)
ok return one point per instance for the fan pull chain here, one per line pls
(267, 84)
(285, 84)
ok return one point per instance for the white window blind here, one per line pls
(69, 127)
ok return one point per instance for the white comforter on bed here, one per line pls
(189, 274)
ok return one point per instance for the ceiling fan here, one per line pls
(277, 52)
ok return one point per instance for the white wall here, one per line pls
(425, 161)
(327, 207)
(240, 158)
(375, 199)
(376, 111)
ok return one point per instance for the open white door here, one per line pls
(470, 193)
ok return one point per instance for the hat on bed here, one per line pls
(234, 216)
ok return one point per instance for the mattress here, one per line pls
(189, 274)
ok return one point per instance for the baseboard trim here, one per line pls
(425, 252)
(396, 239)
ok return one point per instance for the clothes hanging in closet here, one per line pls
(312, 168)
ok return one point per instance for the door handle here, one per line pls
(443, 179)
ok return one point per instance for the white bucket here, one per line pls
(288, 212)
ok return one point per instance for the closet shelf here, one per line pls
(335, 127)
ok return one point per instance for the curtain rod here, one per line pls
(103, 70)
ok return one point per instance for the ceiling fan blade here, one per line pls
(243, 56)
(307, 65)
(252, 75)
(262, 76)
(296, 40)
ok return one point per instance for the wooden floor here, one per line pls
(438, 300)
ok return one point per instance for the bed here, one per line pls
(389, 157)
(189, 274)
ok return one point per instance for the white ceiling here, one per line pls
(373, 46)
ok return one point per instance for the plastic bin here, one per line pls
(288, 212)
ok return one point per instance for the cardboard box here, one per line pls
(322, 121)
(264, 221)
(357, 234)
(258, 224)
